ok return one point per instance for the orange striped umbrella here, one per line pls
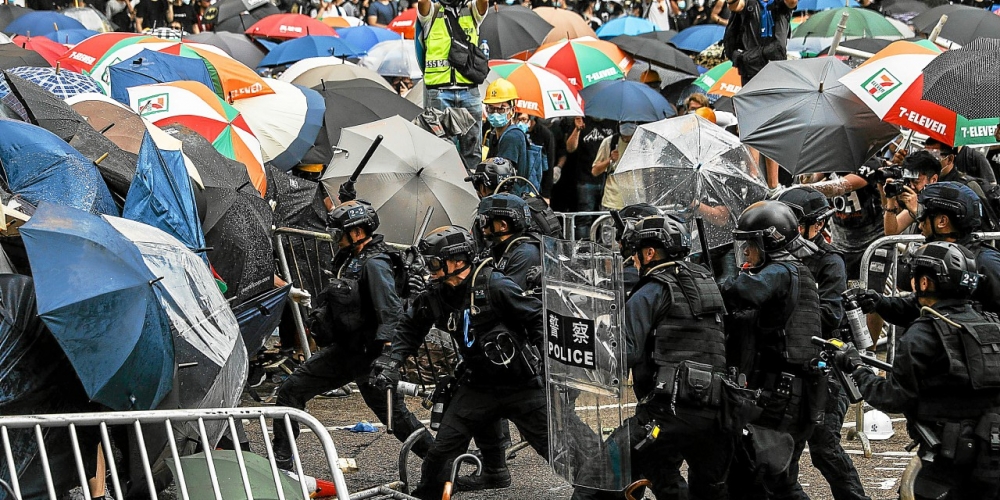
(405, 24)
(584, 61)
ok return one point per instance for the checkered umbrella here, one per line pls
(959, 79)
(165, 33)
(61, 83)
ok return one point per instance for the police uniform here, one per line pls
(949, 381)
(515, 258)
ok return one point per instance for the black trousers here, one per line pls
(470, 410)
(828, 456)
(746, 483)
(332, 368)
(942, 479)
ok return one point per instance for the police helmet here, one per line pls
(957, 201)
(770, 224)
(950, 265)
(632, 213)
(506, 206)
(491, 172)
(444, 243)
(809, 205)
(354, 213)
(659, 231)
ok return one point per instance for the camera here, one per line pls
(888, 172)
(894, 187)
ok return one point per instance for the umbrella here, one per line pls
(964, 26)
(904, 10)
(235, 16)
(366, 37)
(299, 202)
(214, 169)
(677, 161)
(511, 29)
(566, 24)
(891, 84)
(165, 33)
(721, 80)
(288, 26)
(625, 101)
(352, 103)
(794, 111)
(698, 38)
(195, 106)
(584, 61)
(261, 315)
(316, 70)
(625, 25)
(12, 56)
(9, 12)
(229, 476)
(70, 37)
(668, 77)
(61, 83)
(411, 170)
(541, 92)
(394, 58)
(958, 79)
(869, 45)
(86, 54)
(656, 52)
(860, 22)
(38, 23)
(238, 46)
(90, 18)
(149, 67)
(42, 168)
(926, 21)
(341, 22)
(103, 305)
(286, 122)
(46, 48)
(663, 36)
(405, 23)
(815, 5)
(309, 46)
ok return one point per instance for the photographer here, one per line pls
(901, 187)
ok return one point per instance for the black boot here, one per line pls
(490, 479)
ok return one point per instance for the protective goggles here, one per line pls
(434, 263)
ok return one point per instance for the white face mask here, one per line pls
(681, 5)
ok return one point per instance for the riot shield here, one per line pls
(585, 364)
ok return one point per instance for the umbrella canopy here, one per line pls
(677, 161)
(86, 54)
(721, 80)
(42, 168)
(584, 61)
(891, 84)
(12, 56)
(288, 26)
(656, 52)
(815, 5)
(38, 23)
(336, 22)
(394, 58)
(229, 475)
(103, 305)
(626, 25)
(405, 23)
(299, 201)
(195, 106)
(965, 25)
(926, 21)
(698, 38)
(70, 37)
(625, 101)
(314, 71)
(355, 102)
(904, 10)
(668, 77)
(214, 169)
(958, 79)
(511, 29)
(792, 111)
(261, 315)
(287, 122)
(411, 170)
(237, 15)
(9, 12)
(365, 37)
(566, 24)
(63, 84)
(90, 18)
(860, 22)
(149, 67)
(541, 92)
(309, 46)
(663, 36)
(46, 48)
(237, 45)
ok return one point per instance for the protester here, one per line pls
(541, 134)
(182, 16)
(611, 150)
(381, 13)
(151, 14)
(582, 145)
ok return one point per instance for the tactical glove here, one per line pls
(347, 192)
(867, 299)
(848, 360)
(385, 372)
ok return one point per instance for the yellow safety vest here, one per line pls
(437, 70)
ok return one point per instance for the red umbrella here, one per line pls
(46, 48)
(288, 26)
(405, 24)
(84, 55)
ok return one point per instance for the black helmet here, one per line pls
(631, 213)
(506, 206)
(448, 242)
(957, 201)
(950, 265)
(354, 213)
(809, 205)
(491, 172)
(770, 224)
(657, 230)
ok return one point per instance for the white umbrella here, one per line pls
(316, 76)
(286, 122)
(304, 65)
(394, 58)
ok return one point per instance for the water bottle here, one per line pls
(856, 322)
(485, 47)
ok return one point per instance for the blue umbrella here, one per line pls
(64, 84)
(70, 37)
(627, 25)
(698, 38)
(366, 37)
(161, 195)
(309, 46)
(624, 101)
(149, 67)
(41, 167)
(101, 302)
(805, 5)
(42, 22)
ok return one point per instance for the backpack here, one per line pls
(537, 164)
(544, 221)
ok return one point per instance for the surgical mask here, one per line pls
(498, 120)
(681, 5)
(523, 127)
(627, 129)
(186, 2)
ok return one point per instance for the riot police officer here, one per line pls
(498, 175)
(775, 305)
(945, 379)
(496, 327)
(359, 310)
(490, 176)
(812, 210)
(631, 213)
(504, 220)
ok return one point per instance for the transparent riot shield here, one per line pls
(585, 363)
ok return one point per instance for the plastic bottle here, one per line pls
(856, 322)
(485, 47)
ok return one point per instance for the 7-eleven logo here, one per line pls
(881, 84)
(153, 104)
(558, 100)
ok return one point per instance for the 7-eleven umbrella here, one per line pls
(405, 24)
(286, 122)
(288, 26)
(86, 54)
(541, 92)
(721, 80)
(196, 107)
(891, 83)
(584, 61)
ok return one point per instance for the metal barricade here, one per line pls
(168, 419)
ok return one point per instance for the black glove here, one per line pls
(867, 299)
(347, 192)
(533, 277)
(385, 371)
(416, 284)
(848, 360)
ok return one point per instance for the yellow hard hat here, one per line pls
(500, 91)
(706, 113)
(649, 76)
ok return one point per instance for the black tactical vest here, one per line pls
(690, 328)
(803, 312)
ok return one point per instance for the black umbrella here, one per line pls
(964, 24)
(663, 36)
(10, 12)
(239, 46)
(959, 79)
(511, 29)
(656, 52)
(904, 8)
(234, 16)
(299, 202)
(356, 102)
(13, 55)
(259, 316)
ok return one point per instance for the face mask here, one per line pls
(627, 129)
(523, 127)
(186, 2)
(498, 120)
(681, 5)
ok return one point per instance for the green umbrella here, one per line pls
(861, 23)
(227, 469)
(708, 78)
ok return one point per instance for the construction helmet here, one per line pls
(878, 425)
(500, 91)
(649, 76)
(706, 113)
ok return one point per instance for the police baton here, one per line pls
(705, 258)
(364, 161)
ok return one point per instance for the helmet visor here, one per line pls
(749, 253)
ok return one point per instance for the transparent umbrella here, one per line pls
(693, 168)
(393, 58)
